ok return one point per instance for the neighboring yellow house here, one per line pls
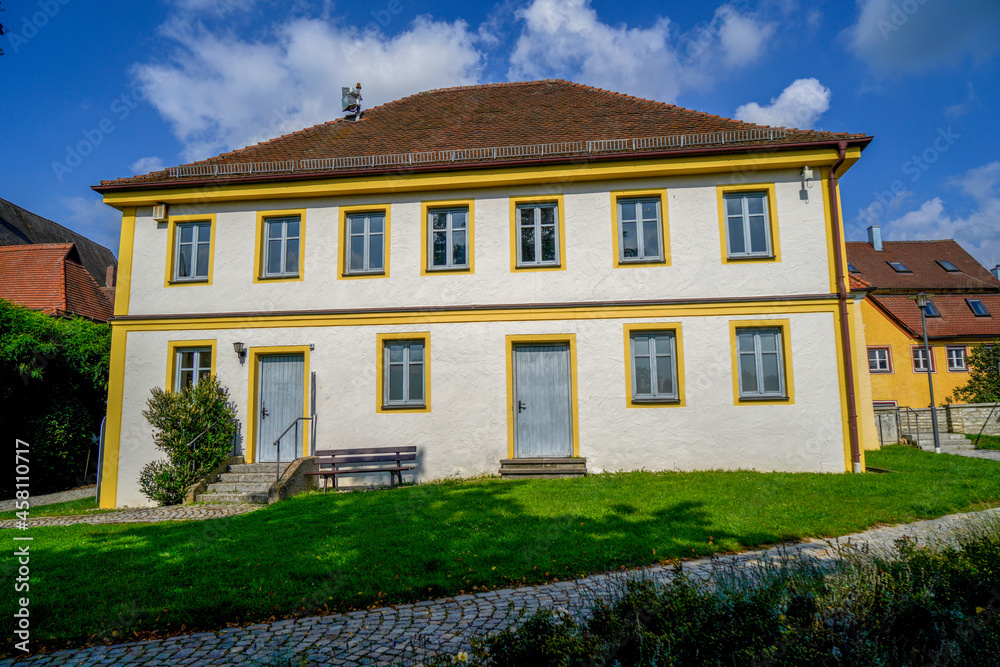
(964, 312)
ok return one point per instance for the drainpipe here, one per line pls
(845, 327)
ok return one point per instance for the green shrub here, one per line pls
(921, 606)
(53, 393)
(195, 427)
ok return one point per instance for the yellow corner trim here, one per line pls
(172, 222)
(425, 208)
(258, 251)
(772, 214)
(786, 345)
(638, 327)
(560, 232)
(173, 347)
(664, 228)
(527, 339)
(381, 339)
(123, 282)
(253, 360)
(113, 423)
(342, 254)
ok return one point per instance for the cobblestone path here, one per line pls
(406, 634)
(142, 515)
(52, 498)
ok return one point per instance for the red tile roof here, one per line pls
(856, 283)
(487, 116)
(921, 258)
(49, 277)
(957, 319)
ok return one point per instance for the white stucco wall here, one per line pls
(465, 433)
(696, 269)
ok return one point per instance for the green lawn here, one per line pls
(315, 552)
(68, 508)
(985, 441)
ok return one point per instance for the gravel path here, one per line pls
(61, 497)
(406, 634)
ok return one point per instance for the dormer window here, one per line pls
(899, 267)
(930, 310)
(948, 266)
(977, 307)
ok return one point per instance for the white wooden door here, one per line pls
(280, 401)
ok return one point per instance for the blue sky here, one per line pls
(92, 94)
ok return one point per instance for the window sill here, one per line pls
(642, 262)
(752, 258)
(449, 269)
(656, 401)
(879, 372)
(763, 399)
(536, 267)
(364, 274)
(288, 276)
(409, 406)
(190, 281)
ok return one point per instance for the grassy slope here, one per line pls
(68, 508)
(985, 441)
(364, 549)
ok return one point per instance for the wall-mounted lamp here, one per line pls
(807, 177)
(241, 351)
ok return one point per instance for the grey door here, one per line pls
(281, 378)
(543, 424)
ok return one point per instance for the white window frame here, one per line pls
(198, 228)
(957, 367)
(406, 364)
(876, 368)
(537, 227)
(284, 240)
(640, 223)
(449, 232)
(759, 392)
(918, 353)
(199, 368)
(744, 216)
(653, 354)
(367, 234)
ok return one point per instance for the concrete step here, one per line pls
(248, 477)
(259, 498)
(238, 487)
(541, 473)
(929, 447)
(542, 468)
(256, 468)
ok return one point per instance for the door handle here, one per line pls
(521, 407)
(263, 410)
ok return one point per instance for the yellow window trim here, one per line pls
(258, 251)
(172, 223)
(772, 214)
(786, 352)
(381, 339)
(123, 280)
(639, 327)
(444, 179)
(342, 253)
(664, 227)
(253, 361)
(519, 339)
(425, 208)
(173, 347)
(561, 223)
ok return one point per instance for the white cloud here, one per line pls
(919, 34)
(221, 92)
(799, 105)
(977, 231)
(93, 219)
(146, 165)
(565, 38)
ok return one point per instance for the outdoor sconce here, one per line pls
(241, 351)
(807, 177)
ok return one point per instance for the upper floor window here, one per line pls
(366, 242)
(449, 238)
(639, 230)
(977, 307)
(281, 247)
(761, 366)
(192, 253)
(947, 266)
(899, 267)
(191, 365)
(537, 234)
(654, 366)
(956, 358)
(879, 360)
(920, 359)
(748, 231)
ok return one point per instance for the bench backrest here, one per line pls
(365, 455)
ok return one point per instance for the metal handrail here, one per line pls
(916, 420)
(277, 445)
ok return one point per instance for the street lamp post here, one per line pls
(922, 300)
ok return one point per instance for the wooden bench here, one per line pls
(361, 461)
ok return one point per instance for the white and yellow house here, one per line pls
(497, 272)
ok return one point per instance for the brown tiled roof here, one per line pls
(487, 116)
(920, 257)
(49, 277)
(957, 319)
(856, 283)
(20, 226)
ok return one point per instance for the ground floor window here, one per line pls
(654, 366)
(761, 368)
(403, 373)
(192, 364)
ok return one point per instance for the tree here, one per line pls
(984, 376)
